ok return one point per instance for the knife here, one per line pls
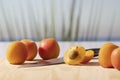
(60, 60)
(39, 62)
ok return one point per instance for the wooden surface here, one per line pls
(35, 71)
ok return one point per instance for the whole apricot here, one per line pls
(48, 49)
(115, 58)
(16, 52)
(74, 55)
(105, 54)
(31, 48)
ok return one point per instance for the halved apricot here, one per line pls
(88, 56)
(74, 55)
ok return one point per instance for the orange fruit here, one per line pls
(31, 48)
(74, 55)
(88, 56)
(48, 49)
(16, 52)
(115, 58)
(105, 54)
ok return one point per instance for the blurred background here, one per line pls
(64, 20)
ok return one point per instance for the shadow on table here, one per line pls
(90, 64)
(40, 62)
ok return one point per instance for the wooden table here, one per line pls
(35, 70)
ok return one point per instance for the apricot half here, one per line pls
(31, 48)
(88, 56)
(16, 52)
(105, 54)
(74, 55)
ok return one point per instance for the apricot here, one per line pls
(31, 48)
(74, 55)
(105, 52)
(16, 52)
(48, 49)
(88, 56)
(115, 58)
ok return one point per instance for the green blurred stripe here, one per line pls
(78, 21)
(99, 20)
(68, 37)
(89, 20)
(53, 20)
(45, 20)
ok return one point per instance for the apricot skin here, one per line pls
(16, 52)
(105, 52)
(88, 56)
(48, 49)
(31, 48)
(115, 58)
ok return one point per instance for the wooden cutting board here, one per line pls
(35, 70)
